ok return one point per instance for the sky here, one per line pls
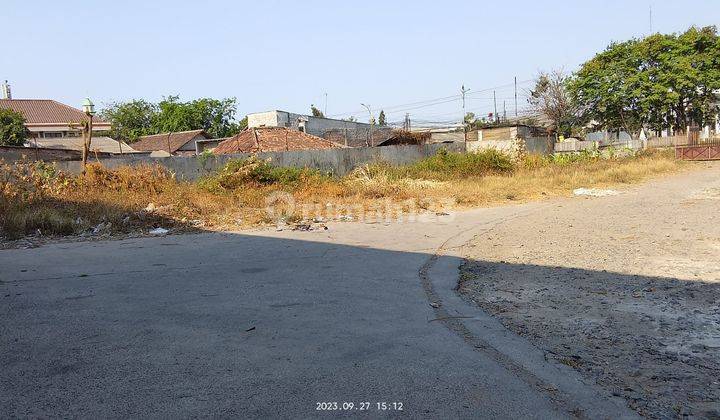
(400, 56)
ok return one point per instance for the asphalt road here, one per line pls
(270, 324)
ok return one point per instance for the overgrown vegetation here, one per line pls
(36, 199)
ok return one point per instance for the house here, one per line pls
(348, 133)
(99, 144)
(208, 145)
(53, 125)
(45, 118)
(508, 132)
(182, 143)
(272, 139)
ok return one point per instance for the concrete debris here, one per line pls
(159, 231)
(102, 227)
(345, 218)
(308, 227)
(594, 192)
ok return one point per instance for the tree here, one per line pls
(243, 124)
(662, 81)
(470, 121)
(130, 120)
(214, 116)
(551, 99)
(12, 128)
(316, 112)
(136, 118)
(381, 119)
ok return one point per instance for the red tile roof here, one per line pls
(46, 111)
(272, 139)
(160, 141)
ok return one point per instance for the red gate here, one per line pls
(694, 147)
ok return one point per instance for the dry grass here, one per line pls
(35, 198)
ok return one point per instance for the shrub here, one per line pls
(447, 165)
(256, 172)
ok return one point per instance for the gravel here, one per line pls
(624, 288)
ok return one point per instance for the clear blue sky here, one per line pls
(287, 54)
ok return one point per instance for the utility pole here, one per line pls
(89, 110)
(516, 114)
(462, 92)
(495, 106)
(371, 141)
(325, 104)
(504, 112)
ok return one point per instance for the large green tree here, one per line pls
(138, 117)
(12, 128)
(662, 81)
(131, 119)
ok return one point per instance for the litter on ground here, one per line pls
(594, 192)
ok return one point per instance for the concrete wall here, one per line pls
(453, 136)
(568, 146)
(269, 119)
(540, 145)
(18, 153)
(336, 161)
(505, 146)
(13, 154)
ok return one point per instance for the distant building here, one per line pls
(272, 139)
(348, 133)
(517, 131)
(57, 126)
(97, 144)
(45, 118)
(182, 143)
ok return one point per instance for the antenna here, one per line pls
(651, 22)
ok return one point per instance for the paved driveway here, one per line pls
(269, 324)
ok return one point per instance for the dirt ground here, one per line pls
(623, 288)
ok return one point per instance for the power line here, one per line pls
(429, 102)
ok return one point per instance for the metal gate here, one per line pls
(695, 147)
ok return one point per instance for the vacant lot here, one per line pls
(623, 288)
(37, 200)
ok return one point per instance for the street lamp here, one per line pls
(89, 110)
(372, 122)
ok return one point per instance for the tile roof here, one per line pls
(160, 141)
(46, 111)
(99, 144)
(272, 139)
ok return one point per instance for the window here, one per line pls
(52, 134)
